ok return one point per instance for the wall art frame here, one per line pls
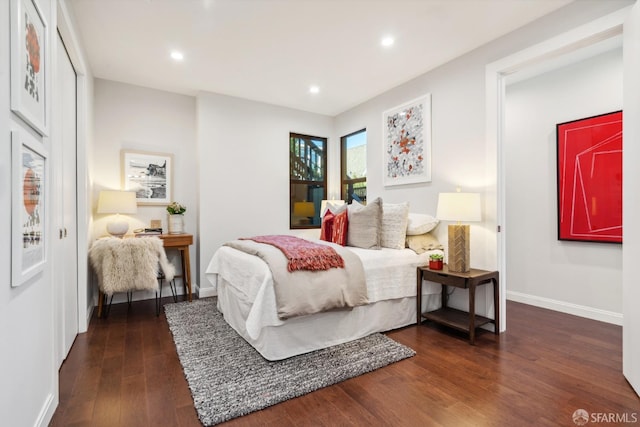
(149, 174)
(29, 189)
(406, 141)
(30, 65)
(589, 161)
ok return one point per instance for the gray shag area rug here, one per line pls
(228, 378)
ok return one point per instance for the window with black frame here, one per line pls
(307, 179)
(353, 167)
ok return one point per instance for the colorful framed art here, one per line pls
(28, 207)
(407, 142)
(29, 64)
(590, 178)
(149, 174)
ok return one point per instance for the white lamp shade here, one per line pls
(327, 204)
(459, 207)
(117, 202)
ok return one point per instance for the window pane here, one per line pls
(354, 166)
(305, 206)
(307, 178)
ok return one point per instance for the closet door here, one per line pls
(65, 254)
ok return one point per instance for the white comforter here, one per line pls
(389, 274)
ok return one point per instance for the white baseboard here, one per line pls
(47, 411)
(205, 292)
(567, 307)
(89, 314)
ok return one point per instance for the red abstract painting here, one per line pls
(590, 179)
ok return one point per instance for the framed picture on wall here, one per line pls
(590, 178)
(29, 69)
(29, 186)
(149, 174)
(406, 142)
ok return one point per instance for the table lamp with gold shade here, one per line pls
(117, 202)
(459, 207)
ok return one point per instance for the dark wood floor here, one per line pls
(125, 372)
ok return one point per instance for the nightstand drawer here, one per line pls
(444, 279)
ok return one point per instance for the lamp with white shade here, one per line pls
(329, 204)
(459, 207)
(117, 202)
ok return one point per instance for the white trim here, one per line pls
(601, 29)
(69, 37)
(47, 410)
(205, 292)
(567, 307)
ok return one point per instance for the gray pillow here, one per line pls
(365, 224)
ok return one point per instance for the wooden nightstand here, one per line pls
(460, 320)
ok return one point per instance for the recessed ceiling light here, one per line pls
(314, 89)
(387, 41)
(178, 56)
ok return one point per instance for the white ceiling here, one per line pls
(274, 50)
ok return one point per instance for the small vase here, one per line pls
(176, 224)
(435, 264)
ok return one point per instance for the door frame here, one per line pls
(71, 41)
(496, 74)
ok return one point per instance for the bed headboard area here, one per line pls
(379, 225)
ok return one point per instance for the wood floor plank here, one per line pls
(125, 371)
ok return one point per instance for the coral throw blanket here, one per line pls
(302, 254)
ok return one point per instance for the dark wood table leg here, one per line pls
(472, 313)
(187, 270)
(496, 305)
(419, 298)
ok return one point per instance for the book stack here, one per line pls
(148, 232)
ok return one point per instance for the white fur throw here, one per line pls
(132, 264)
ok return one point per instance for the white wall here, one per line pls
(243, 147)
(580, 277)
(29, 385)
(461, 154)
(136, 118)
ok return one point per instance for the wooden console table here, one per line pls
(181, 242)
(466, 322)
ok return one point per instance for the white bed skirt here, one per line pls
(300, 335)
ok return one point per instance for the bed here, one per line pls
(246, 298)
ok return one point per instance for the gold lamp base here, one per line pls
(459, 260)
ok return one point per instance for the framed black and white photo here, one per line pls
(29, 64)
(407, 142)
(29, 186)
(149, 174)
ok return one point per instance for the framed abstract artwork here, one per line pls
(29, 187)
(407, 142)
(589, 154)
(150, 175)
(29, 64)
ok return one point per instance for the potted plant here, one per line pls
(176, 217)
(436, 261)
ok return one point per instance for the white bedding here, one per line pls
(246, 297)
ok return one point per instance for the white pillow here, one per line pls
(394, 225)
(420, 224)
(423, 243)
(365, 224)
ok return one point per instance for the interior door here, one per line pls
(66, 251)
